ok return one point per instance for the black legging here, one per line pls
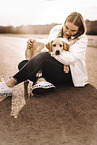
(52, 70)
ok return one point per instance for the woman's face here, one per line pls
(70, 29)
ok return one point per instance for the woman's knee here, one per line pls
(43, 55)
(22, 63)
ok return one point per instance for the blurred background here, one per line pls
(39, 16)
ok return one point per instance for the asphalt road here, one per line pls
(66, 117)
(12, 51)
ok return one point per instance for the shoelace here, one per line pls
(43, 83)
(2, 79)
(3, 83)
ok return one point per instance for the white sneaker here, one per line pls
(42, 87)
(4, 89)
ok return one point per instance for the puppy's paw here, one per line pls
(66, 68)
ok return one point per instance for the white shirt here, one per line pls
(75, 57)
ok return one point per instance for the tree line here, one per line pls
(44, 29)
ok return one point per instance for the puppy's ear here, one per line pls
(65, 46)
(49, 45)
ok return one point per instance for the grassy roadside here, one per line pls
(92, 39)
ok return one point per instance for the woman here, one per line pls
(73, 30)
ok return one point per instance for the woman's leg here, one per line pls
(31, 68)
(51, 68)
(12, 82)
(28, 70)
(57, 75)
(21, 64)
(53, 71)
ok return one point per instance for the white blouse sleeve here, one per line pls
(54, 32)
(76, 51)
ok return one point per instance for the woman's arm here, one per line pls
(76, 51)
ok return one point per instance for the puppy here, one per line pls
(56, 47)
(33, 47)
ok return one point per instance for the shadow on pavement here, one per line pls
(67, 116)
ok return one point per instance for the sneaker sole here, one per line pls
(39, 91)
(5, 94)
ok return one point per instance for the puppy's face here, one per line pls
(57, 46)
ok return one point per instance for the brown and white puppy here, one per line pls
(56, 47)
(33, 47)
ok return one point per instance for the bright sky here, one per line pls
(24, 12)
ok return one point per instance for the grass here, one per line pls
(92, 41)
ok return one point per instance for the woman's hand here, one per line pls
(30, 43)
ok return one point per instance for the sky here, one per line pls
(26, 12)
